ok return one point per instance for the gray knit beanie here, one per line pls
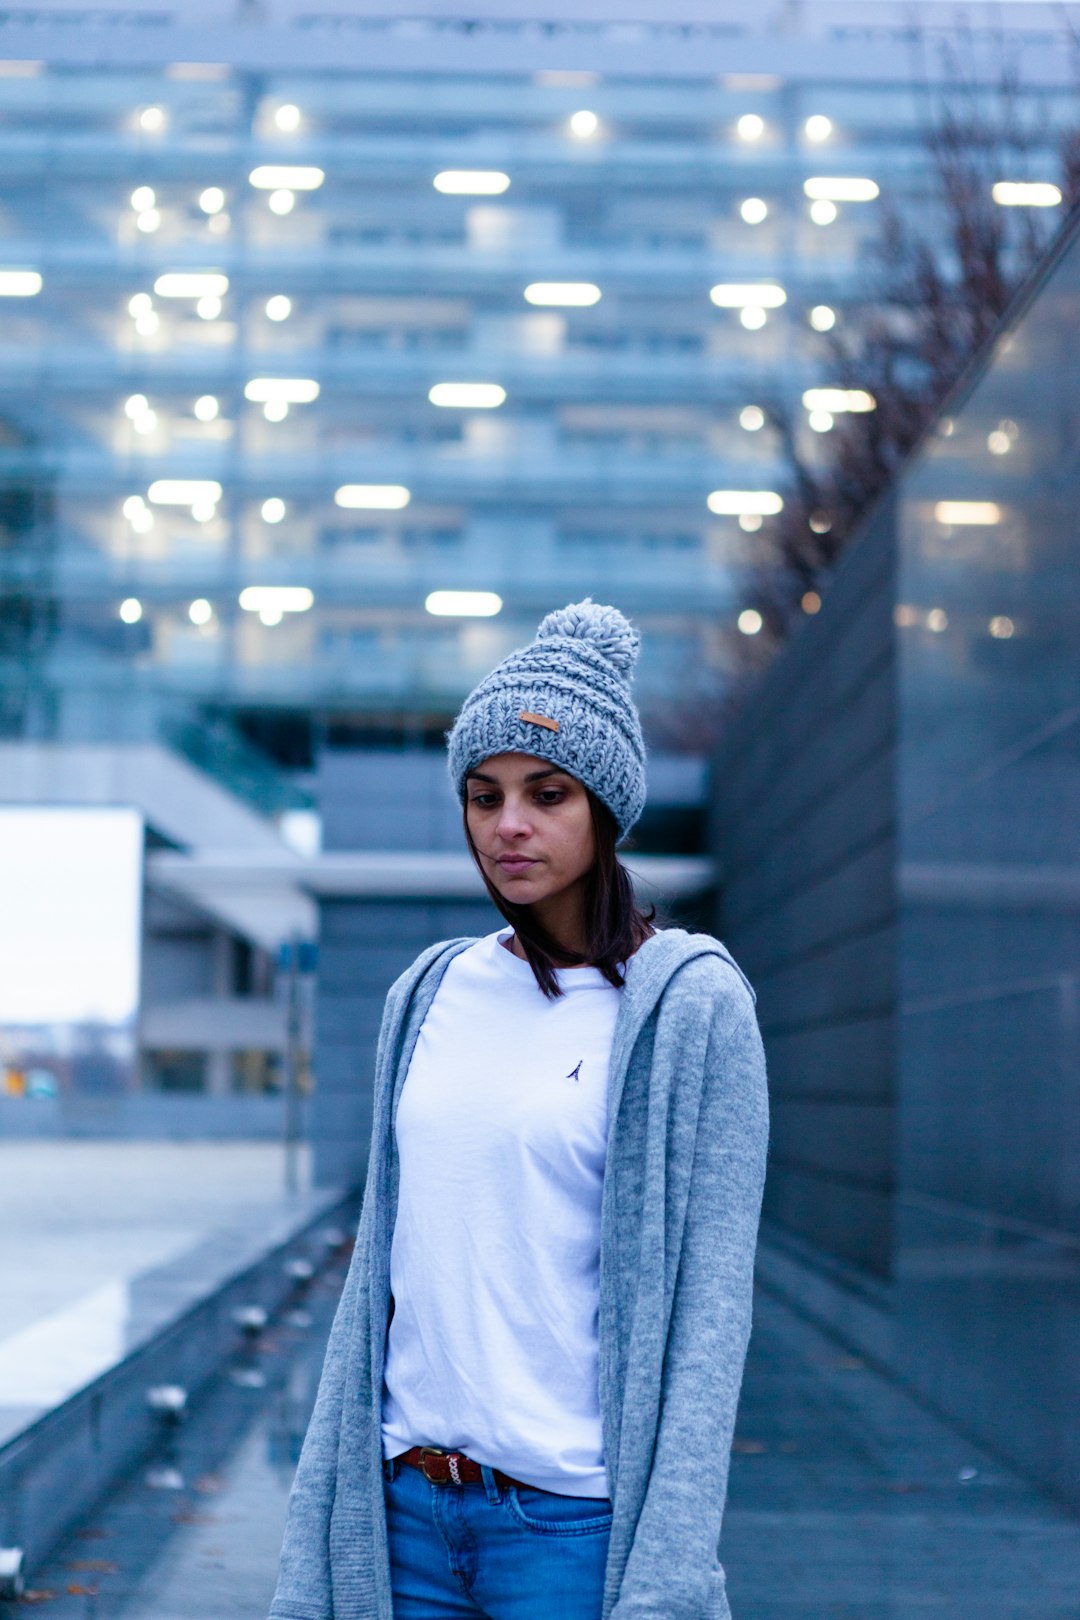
(566, 698)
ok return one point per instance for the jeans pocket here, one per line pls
(547, 1513)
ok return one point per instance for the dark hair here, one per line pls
(615, 925)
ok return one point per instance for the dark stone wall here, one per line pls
(803, 823)
(897, 813)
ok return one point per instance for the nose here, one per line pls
(513, 821)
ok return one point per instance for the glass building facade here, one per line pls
(345, 313)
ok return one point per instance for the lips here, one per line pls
(515, 863)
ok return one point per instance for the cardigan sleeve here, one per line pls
(673, 1570)
(304, 1588)
(305, 1585)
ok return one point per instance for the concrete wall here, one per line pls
(803, 824)
(897, 813)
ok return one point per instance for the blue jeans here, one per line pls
(502, 1553)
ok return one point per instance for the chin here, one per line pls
(523, 890)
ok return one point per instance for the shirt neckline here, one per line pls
(566, 978)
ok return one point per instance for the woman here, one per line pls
(530, 1387)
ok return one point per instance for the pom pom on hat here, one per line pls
(605, 627)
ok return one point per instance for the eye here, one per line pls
(551, 795)
(482, 800)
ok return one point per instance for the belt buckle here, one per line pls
(436, 1451)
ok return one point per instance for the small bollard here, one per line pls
(250, 1319)
(11, 1573)
(299, 1270)
(333, 1237)
(169, 1401)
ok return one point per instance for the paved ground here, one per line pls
(847, 1502)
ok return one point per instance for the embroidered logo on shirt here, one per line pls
(575, 1072)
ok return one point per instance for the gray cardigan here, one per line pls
(679, 1217)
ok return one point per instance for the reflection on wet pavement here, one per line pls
(848, 1500)
(104, 1243)
(196, 1534)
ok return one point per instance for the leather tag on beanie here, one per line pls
(539, 720)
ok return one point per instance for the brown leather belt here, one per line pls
(451, 1467)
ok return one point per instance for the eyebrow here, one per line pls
(533, 776)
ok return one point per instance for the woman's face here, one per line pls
(531, 824)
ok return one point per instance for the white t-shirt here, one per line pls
(501, 1135)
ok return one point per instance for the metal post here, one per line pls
(292, 1069)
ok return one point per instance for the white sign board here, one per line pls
(70, 932)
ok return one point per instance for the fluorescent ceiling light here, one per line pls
(477, 396)
(471, 182)
(838, 399)
(584, 123)
(565, 78)
(283, 598)
(183, 491)
(976, 512)
(294, 177)
(293, 390)
(739, 502)
(741, 295)
(835, 188)
(19, 283)
(1026, 194)
(191, 284)
(580, 293)
(373, 497)
(463, 604)
(822, 212)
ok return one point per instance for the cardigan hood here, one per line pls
(683, 1180)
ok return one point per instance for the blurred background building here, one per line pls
(314, 318)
